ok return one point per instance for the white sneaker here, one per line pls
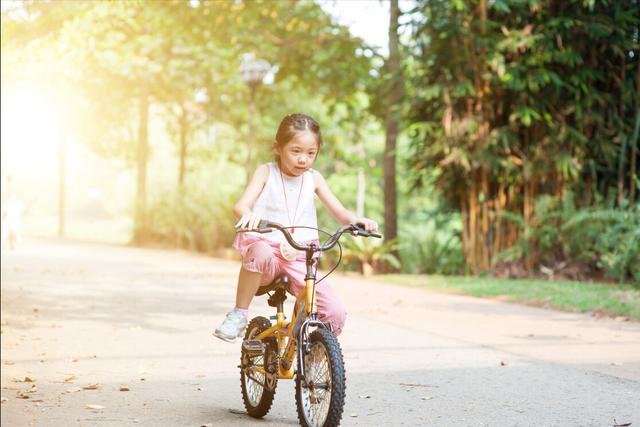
(232, 327)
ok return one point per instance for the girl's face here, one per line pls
(297, 156)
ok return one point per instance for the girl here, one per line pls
(283, 192)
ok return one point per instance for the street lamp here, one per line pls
(253, 72)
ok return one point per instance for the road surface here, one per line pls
(99, 335)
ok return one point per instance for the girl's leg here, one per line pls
(330, 308)
(248, 284)
(259, 268)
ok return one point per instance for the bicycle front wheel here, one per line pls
(320, 394)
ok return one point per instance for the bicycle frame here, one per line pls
(289, 334)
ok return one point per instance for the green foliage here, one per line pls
(599, 238)
(428, 253)
(611, 236)
(515, 100)
(509, 102)
(370, 254)
(192, 222)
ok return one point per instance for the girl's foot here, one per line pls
(232, 327)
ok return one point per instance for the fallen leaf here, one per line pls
(25, 380)
(95, 407)
(70, 379)
(91, 387)
(33, 389)
(3, 399)
(22, 396)
(73, 390)
(617, 424)
(124, 389)
(364, 396)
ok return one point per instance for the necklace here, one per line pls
(286, 202)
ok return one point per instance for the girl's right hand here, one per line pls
(248, 221)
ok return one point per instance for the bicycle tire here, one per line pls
(257, 407)
(323, 343)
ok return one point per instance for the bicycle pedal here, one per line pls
(253, 346)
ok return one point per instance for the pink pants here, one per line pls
(263, 256)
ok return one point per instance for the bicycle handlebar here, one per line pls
(265, 226)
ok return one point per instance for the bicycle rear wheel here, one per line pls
(257, 383)
(320, 394)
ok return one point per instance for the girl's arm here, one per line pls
(336, 209)
(243, 209)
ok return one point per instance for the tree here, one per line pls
(395, 92)
(513, 101)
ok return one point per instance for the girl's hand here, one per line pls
(368, 224)
(248, 221)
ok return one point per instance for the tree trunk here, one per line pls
(633, 172)
(486, 232)
(184, 127)
(142, 155)
(473, 226)
(392, 120)
(634, 144)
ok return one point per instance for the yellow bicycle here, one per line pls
(270, 352)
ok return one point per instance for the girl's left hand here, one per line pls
(368, 224)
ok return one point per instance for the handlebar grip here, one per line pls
(364, 233)
(263, 226)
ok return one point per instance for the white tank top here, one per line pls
(271, 204)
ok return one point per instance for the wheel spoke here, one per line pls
(317, 394)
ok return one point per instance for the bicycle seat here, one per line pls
(280, 282)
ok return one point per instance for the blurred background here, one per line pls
(486, 136)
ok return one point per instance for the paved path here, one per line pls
(129, 330)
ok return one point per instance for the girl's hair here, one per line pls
(293, 124)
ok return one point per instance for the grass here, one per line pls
(601, 299)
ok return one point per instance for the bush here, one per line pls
(608, 237)
(589, 240)
(371, 255)
(194, 221)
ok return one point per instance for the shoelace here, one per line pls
(234, 315)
